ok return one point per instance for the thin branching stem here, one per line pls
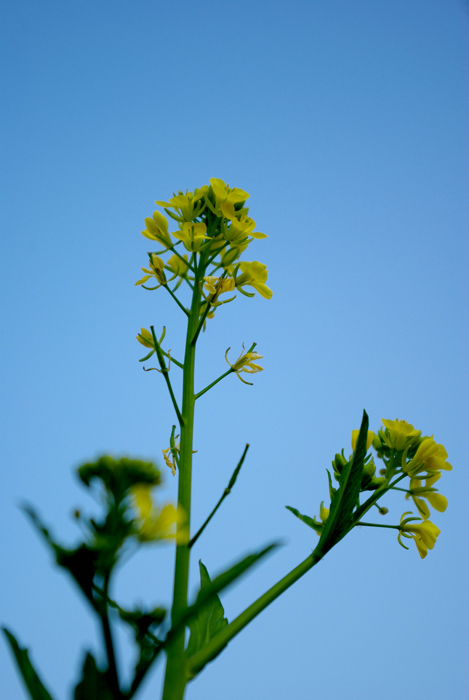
(165, 373)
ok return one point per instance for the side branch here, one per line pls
(225, 493)
(215, 645)
(164, 372)
(201, 393)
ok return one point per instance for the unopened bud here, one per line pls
(338, 463)
(383, 510)
(376, 442)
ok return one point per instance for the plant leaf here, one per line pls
(32, 681)
(209, 621)
(346, 497)
(306, 519)
(93, 685)
(219, 583)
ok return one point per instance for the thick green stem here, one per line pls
(176, 677)
(199, 660)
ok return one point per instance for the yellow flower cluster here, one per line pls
(213, 220)
(422, 460)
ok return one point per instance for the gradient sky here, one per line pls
(344, 121)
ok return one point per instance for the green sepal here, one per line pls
(32, 681)
(147, 357)
(209, 621)
(93, 685)
(317, 527)
(345, 499)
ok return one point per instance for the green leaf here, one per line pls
(93, 685)
(32, 681)
(218, 584)
(317, 527)
(346, 497)
(209, 621)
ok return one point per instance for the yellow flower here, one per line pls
(424, 534)
(146, 338)
(156, 270)
(192, 235)
(157, 229)
(241, 225)
(430, 456)
(418, 492)
(369, 439)
(188, 205)
(223, 193)
(254, 274)
(169, 455)
(157, 524)
(399, 434)
(245, 363)
(179, 267)
(218, 285)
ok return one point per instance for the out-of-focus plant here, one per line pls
(201, 265)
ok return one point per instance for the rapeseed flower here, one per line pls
(399, 434)
(154, 523)
(424, 534)
(157, 229)
(192, 235)
(245, 363)
(254, 274)
(430, 457)
(418, 492)
(156, 270)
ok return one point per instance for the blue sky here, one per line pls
(345, 123)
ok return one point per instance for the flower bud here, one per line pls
(338, 463)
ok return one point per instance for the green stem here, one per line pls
(214, 646)
(164, 372)
(175, 676)
(201, 393)
(391, 527)
(111, 659)
(183, 308)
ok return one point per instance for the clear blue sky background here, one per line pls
(344, 120)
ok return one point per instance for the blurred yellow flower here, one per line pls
(157, 524)
(399, 434)
(369, 439)
(424, 534)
